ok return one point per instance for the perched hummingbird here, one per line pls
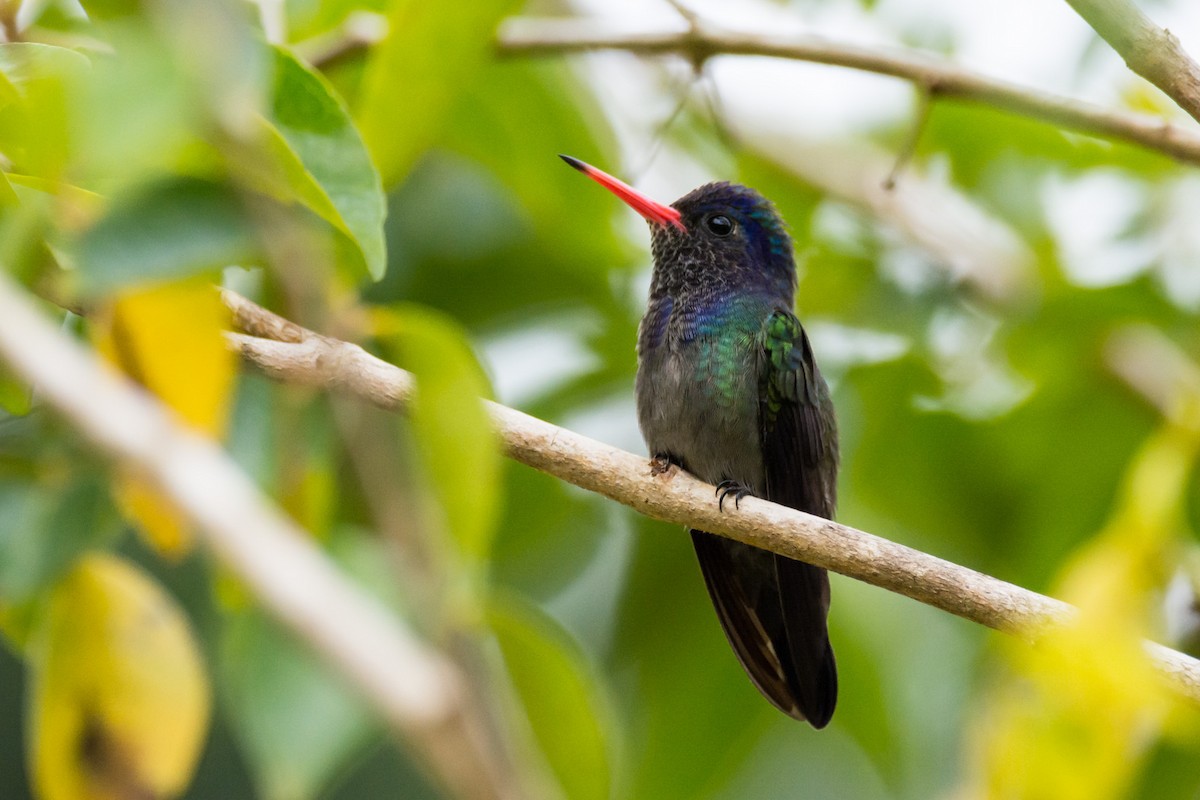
(727, 389)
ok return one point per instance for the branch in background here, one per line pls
(677, 497)
(360, 31)
(909, 148)
(273, 18)
(939, 77)
(1156, 368)
(1150, 51)
(417, 691)
(975, 247)
(9, 26)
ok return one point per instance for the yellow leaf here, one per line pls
(155, 516)
(119, 698)
(169, 339)
(1077, 716)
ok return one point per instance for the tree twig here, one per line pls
(909, 148)
(941, 78)
(974, 246)
(679, 498)
(273, 20)
(1150, 51)
(1157, 369)
(413, 687)
(9, 26)
(360, 31)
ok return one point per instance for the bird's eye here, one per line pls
(720, 225)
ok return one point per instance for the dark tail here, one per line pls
(773, 611)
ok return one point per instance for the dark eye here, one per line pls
(720, 225)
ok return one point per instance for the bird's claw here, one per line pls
(726, 488)
(661, 465)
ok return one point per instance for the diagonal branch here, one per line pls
(416, 690)
(677, 497)
(936, 76)
(1150, 51)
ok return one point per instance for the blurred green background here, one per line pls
(972, 323)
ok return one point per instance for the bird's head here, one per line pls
(721, 231)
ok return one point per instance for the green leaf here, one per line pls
(560, 696)
(529, 219)
(296, 719)
(317, 157)
(137, 115)
(9, 93)
(110, 9)
(452, 428)
(8, 196)
(170, 229)
(415, 75)
(502, 99)
(317, 20)
(38, 79)
(16, 397)
(22, 506)
(43, 527)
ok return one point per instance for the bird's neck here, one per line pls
(702, 285)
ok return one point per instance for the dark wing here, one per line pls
(773, 608)
(798, 435)
(796, 419)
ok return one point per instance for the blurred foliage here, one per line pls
(119, 702)
(1044, 735)
(406, 193)
(169, 339)
(459, 450)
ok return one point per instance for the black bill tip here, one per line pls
(575, 162)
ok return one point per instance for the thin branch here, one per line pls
(909, 148)
(361, 30)
(1150, 51)
(413, 687)
(9, 26)
(1157, 369)
(679, 498)
(975, 247)
(273, 18)
(689, 15)
(942, 78)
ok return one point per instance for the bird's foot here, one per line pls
(662, 465)
(726, 488)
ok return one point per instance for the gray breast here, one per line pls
(714, 437)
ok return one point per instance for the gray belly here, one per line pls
(714, 435)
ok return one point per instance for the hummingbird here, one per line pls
(728, 389)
